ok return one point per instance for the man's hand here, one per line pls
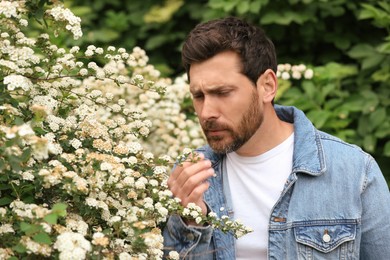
(188, 182)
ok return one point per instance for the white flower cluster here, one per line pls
(9, 9)
(287, 71)
(98, 138)
(62, 14)
(36, 248)
(17, 81)
(72, 246)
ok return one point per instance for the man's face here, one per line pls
(226, 102)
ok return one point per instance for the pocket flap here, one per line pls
(325, 238)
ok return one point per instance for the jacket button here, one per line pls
(326, 238)
(190, 236)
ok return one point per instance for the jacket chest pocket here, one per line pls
(325, 241)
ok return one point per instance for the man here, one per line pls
(306, 194)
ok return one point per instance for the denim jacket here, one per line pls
(334, 189)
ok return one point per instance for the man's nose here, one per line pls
(209, 109)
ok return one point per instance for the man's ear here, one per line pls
(269, 84)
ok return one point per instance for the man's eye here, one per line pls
(197, 96)
(223, 93)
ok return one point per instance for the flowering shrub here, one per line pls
(86, 141)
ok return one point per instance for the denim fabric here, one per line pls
(335, 204)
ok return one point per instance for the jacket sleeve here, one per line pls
(189, 241)
(376, 214)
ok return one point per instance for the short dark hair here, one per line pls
(256, 50)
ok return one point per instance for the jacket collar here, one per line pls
(308, 151)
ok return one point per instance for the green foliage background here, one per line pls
(347, 43)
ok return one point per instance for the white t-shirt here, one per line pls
(255, 185)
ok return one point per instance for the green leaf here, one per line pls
(24, 226)
(377, 117)
(344, 134)
(319, 117)
(363, 128)
(5, 201)
(39, 130)
(255, 7)
(26, 155)
(384, 48)
(5, 186)
(59, 209)
(2, 164)
(42, 238)
(15, 163)
(19, 248)
(352, 104)
(369, 143)
(371, 101)
(309, 89)
(103, 35)
(372, 61)
(51, 218)
(18, 121)
(361, 51)
(243, 7)
(338, 123)
(386, 149)
(283, 18)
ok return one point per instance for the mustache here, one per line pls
(212, 125)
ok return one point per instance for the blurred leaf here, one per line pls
(60, 209)
(333, 70)
(20, 248)
(381, 16)
(377, 117)
(369, 143)
(243, 7)
(5, 186)
(227, 6)
(163, 13)
(384, 48)
(361, 51)
(117, 20)
(14, 162)
(372, 61)
(5, 201)
(383, 130)
(310, 89)
(386, 149)
(318, 117)
(255, 6)
(103, 35)
(363, 128)
(42, 238)
(352, 104)
(382, 75)
(345, 134)
(284, 18)
(338, 123)
(2, 164)
(51, 218)
(371, 101)
(29, 229)
(26, 155)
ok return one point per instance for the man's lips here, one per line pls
(214, 132)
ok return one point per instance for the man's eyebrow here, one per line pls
(211, 90)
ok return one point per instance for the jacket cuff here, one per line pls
(187, 233)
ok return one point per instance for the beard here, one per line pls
(237, 136)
